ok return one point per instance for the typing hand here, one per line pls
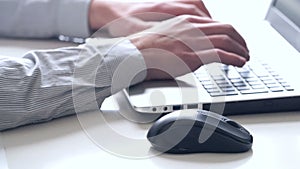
(184, 43)
(123, 19)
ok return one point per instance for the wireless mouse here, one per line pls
(198, 131)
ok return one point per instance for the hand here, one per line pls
(184, 43)
(138, 16)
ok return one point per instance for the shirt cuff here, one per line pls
(123, 64)
(73, 18)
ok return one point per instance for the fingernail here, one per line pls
(248, 57)
(243, 62)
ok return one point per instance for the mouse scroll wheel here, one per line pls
(234, 124)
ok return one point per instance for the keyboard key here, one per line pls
(222, 82)
(276, 89)
(218, 77)
(225, 85)
(281, 80)
(285, 85)
(210, 87)
(289, 88)
(223, 94)
(247, 75)
(237, 80)
(244, 69)
(213, 90)
(230, 93)
(260, 71)
(254, 83)
(262, 74)
(232, 74)
(243, 88)
(204, 83)
(272, 72)
(268, 67)
(225, 67)
(258, 87)
(216, 94)
(272, 85)
(253, 91)
(252, 80)
(228, 89)
(240, 84)
(266, 79)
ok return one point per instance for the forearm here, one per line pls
(44, 18)
(47, 84)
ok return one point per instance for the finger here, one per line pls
(199, 4)
(199, 42)
(191, 8)
(166, 10)
(198, 19)
(214, 28)
(228, 44)
(221, 56)
(202, 6)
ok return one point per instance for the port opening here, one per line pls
(176, 107)
(193, 106)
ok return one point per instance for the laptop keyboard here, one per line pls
(251, 79)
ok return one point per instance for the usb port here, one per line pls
(177, 107)
(193, 106)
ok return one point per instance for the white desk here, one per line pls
(62, 143)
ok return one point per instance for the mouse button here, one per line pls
(201, 117)
(158, 127)
(163, 126)
(234, 132)
(237, 125)
(212, 115)
(234, 124)
(164, 123)
(244, 130)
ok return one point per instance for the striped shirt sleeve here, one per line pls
(44, 18)
(47, 84)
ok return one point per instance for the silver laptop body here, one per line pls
(270, 82)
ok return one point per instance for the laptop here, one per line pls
(269, 82)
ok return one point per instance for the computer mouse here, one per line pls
(198, 131)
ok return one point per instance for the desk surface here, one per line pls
(69, 142)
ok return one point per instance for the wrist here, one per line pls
(142, 45)
(101, 13)
(92, 15)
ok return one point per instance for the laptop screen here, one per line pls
(290, 8)
(284, 16)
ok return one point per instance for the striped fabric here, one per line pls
(42, 84)
(44, 18)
